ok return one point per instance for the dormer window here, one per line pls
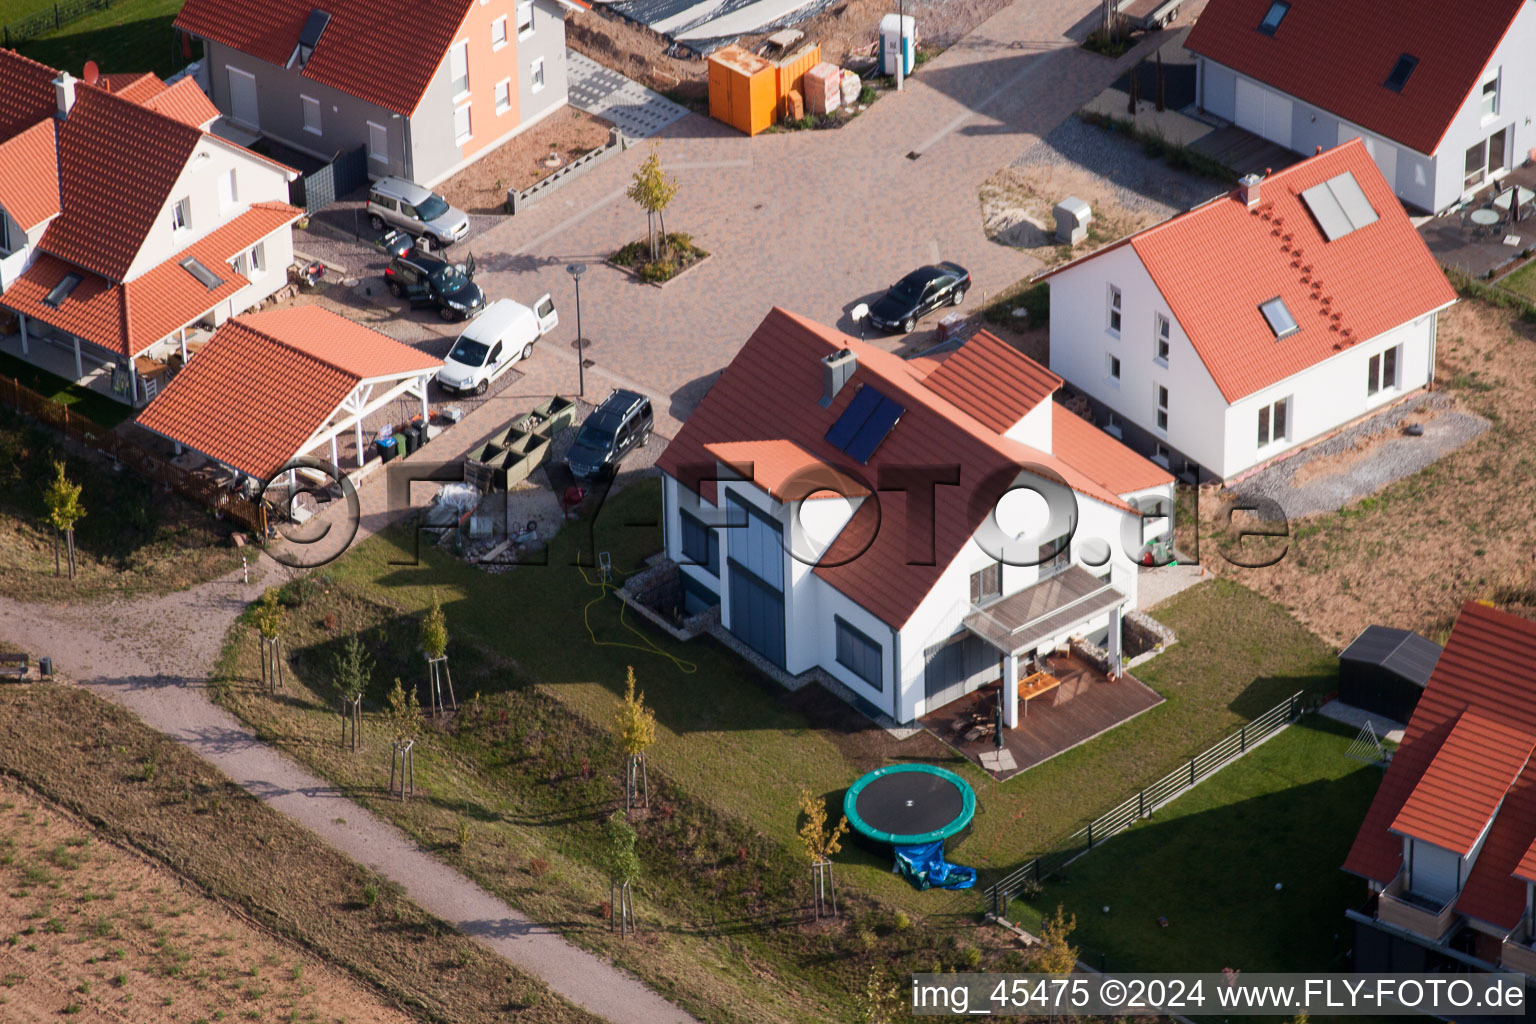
(1279, 318)
(1274, 17)
(1400, 72)
(309, 38)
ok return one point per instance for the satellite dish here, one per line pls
(91, 74)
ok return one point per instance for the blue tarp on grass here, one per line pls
(925, 867)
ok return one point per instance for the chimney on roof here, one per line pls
(836, 368)
(1248, 189)
(64, 89)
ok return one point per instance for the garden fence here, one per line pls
(54, 16)
(1142, 804)
(248, 514)
(318, 189)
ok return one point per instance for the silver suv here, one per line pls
(419, 212)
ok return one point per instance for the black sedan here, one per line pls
(429, 281)
(919, 293)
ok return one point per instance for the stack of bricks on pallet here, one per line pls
(823, 86)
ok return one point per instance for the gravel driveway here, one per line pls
(1138, 182)
(1366, 457)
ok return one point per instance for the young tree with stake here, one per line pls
(434, 643)
(354, 671)
(403, 718)
(623, 871)
(637, 731)
(64, 510)
(820, 844)
(270, 618)
(653, 190)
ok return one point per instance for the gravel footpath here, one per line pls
(1138, 182)
(1391, 457)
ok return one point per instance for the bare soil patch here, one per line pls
(1017, 204)
(1458, 530)
(91, 928)
(1359, 450)
(482, 186)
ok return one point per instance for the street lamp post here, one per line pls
(576, 270)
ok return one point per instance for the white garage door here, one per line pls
(1263, 112)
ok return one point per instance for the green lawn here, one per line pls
(1209, 863)
(129, 36)
(1522, 282)
(533, 767)
(97, 408)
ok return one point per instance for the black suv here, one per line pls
(429, 281)
(922, 291)
(621, 424)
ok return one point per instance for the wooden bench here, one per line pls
(14, 665)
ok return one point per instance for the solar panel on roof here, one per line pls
(1339, 206)
(853, 418)
(874, 430)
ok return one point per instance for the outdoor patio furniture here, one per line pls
(1036, 685)
(1519, 197)
(1484, 220)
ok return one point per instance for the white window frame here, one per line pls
(1113, 428)
(258, 257)
(1115, 310)
(375, 131)
(525, 29)
(498, 33)
(306, 103)
(469, 124)
(229, 190)
(503, 96)
(1490, 98)
(181, 215)
(460, 50)
(1162, 455)
(1112, 369)
(1376, 381)
(1160, 403)
(1268, 415)
(536, 75)
(1162, 339)
(237, 264)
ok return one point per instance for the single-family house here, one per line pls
(273, 386)
(1448, 846)
(129, 223)
(867, 515)
(1442, 93)
(426, 90)
(1250, 325)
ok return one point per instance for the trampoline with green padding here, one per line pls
(910, 804)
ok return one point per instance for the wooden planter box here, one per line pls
(523, 455)
(557, 413)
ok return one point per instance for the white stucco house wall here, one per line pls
(1249, 326)
(1441, 93)
(825, 551)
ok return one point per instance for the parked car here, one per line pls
(429, 281)
(502, 335)
(419, 212)
(395, 242)
(621, 424)
(919, 293)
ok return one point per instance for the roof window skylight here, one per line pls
(199, 270)
(1279, 318)
(309, 37)
(59, 292)
(1400, 72)
(1274, 17)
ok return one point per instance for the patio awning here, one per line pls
(1022, 620)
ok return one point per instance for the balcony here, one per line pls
(1415, 913)
(1518, 956)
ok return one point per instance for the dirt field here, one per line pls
(1017, 205)
(93, 930)
(482, 186)
(1460, 530)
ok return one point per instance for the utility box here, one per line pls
(1072, 219)
(743, 89)
(898, 35)
(823, 87)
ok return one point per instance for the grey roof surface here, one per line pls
(1024, 618)
(1400, 651)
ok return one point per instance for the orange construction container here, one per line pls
(793, 68)
(743, 89)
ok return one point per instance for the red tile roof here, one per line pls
(1526, 868)
(1338, 55)
(1100, 456)
(1455, 798)
(993, 381)
(771, 391)
(26, 93)
(1489, 667)
(382, 51)
(136, 86)
(185, 102)
(267, 382)
(29, 175)
(129, 318)
(117, 164)
(1217, 262)
(774, 464)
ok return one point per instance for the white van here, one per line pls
(499, 337)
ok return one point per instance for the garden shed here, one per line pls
(1384, 670)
